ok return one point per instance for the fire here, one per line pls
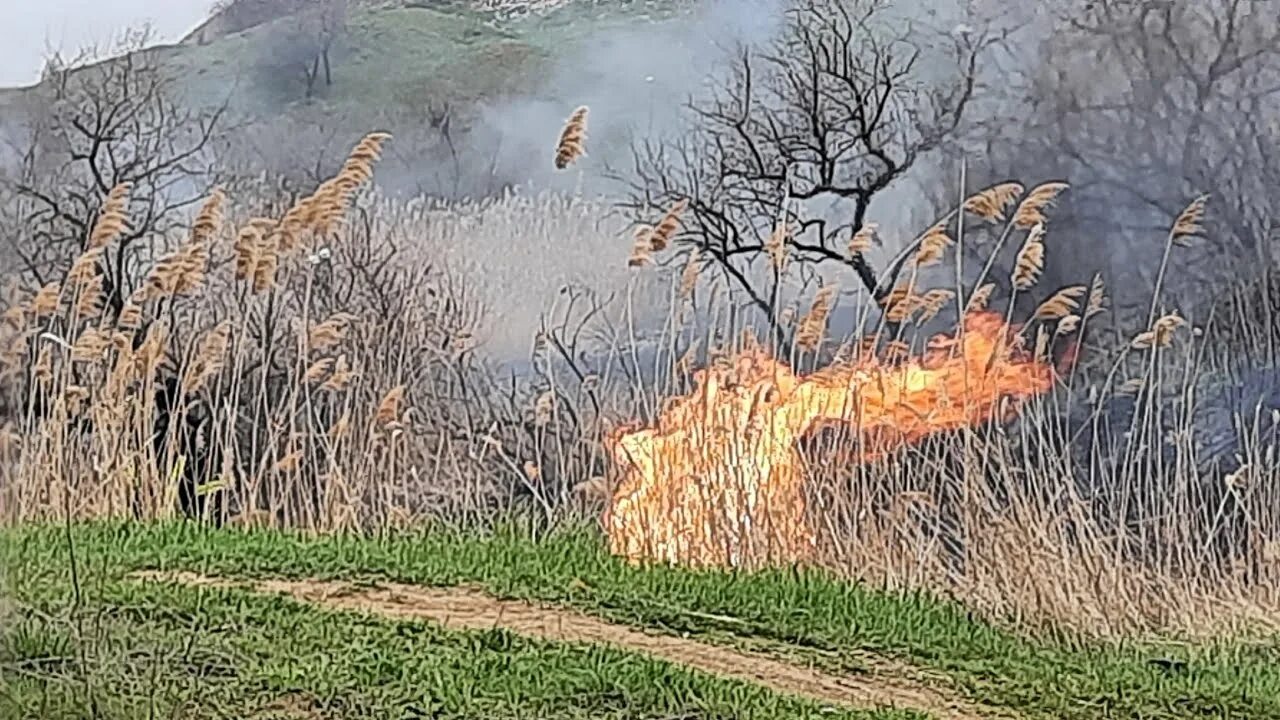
(718, 478)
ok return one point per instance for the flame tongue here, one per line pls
(718, 479)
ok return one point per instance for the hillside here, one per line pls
(179, 621)
(404, 66)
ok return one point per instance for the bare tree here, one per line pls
(833, 112)
(1143, 105)
(92, 127)
(304, 45)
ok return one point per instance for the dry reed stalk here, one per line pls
(1189, 223)
(209, 358)
(896, 351)
(43, 368)
(813, 326)
(776, 246)
(641, 247)
(544, 408)
(340, 428)
(45, 302)
(264, 270)
(83, 268)
(331, 332)
(113, 218)
(901, 303)
(318, 370)
(572, 142)
(130, 317)
(89, 301)
(933, 301)
(981, 297)
(1067, 325)
(531, 471)
(667, 227)
(863, 239)
(341, 377)
(15, 318)
(245, 251)
(1097, 298)
(1063, 303)
(992, 203)
(1130, 386)
(91, 347)
(1030, 261)
(389, 407)
(1160, 334)
(689, 276)
(1030, 211)
(1042, 343)
(933, 245)
(208, 222)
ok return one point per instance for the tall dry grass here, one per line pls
(316, 368)
(322, 364)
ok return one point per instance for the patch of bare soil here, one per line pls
(886, 685)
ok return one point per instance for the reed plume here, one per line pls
(330, 332)
(208, 222)
(1067, 325)
(1063, 303)
(863, 239)
(776, 246)
(1097, 298)
(1030, 261)
(689, 276)
(543, 408)
(667, 227)
(247, 249)
(113, 219)
(573, 136)
(89, 300)
(83, 268)
(1189, 223)
(992, 203)
(933, 244)
(933, 301)
(1161, 332)
(1031, 210)
(318, 370)
(341, 376)
(813, 326)
(641, 247)
(45, 302)
(91, 346)
(981, 297)
(389, 407)
(209, 357)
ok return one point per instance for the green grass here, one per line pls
(157, 650)
(398, 59)
(802, 614)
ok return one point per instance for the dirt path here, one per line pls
(888, 685)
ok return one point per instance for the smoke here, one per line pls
(635, 76)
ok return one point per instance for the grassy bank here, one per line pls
(230, 648)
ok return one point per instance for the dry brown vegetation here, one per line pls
(308, 371)
(319, 362)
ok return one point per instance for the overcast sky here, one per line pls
(27, 26)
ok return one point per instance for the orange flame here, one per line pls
(717, 480)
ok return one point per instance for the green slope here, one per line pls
(807, 616)
(400, 59)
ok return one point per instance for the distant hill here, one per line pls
(395, 63)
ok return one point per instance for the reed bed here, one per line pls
(331, 366)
